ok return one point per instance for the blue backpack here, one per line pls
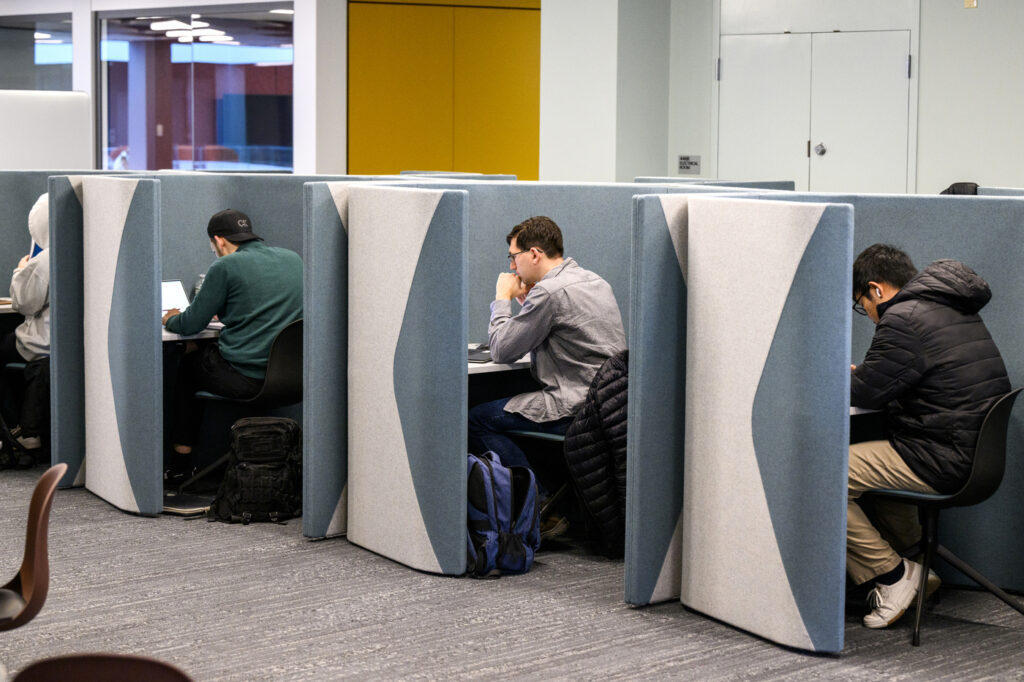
(502, 524)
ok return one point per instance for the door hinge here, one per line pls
(718, 69)
(908, 65)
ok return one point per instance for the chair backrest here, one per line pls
(283, 383)
(107, 667)
(989, 455)
(33, 579)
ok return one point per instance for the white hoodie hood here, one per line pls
(39, 221)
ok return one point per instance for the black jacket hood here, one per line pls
(948, 282)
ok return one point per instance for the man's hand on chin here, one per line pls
(509, 286)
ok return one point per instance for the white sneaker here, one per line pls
(889, 602)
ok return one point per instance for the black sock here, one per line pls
(893, 576)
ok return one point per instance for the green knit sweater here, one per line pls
(255, 292)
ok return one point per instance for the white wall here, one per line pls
(578, 89)
(320, 87)
(691, 90)
(642, 89)
(971, 98)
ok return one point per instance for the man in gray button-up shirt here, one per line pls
(569, 324)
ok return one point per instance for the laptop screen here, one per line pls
(172, 294)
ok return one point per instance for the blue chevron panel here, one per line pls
(325, 360)
(767, 389)
(407, 375)
(121, 352)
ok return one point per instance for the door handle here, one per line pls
(820, 149)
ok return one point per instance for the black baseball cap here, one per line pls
(233, 225)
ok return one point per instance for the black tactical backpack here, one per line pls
(263, 481)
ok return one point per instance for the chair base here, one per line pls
(968, 570)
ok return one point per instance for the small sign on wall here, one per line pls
(689, 165)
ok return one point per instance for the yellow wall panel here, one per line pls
(400, 88)
(497, 91)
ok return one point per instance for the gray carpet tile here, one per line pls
(260, 602)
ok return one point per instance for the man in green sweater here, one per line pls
(255, 290)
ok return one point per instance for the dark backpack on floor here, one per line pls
(503, 526)
(263, 481)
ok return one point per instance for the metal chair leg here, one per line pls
(968, 570)
(928, 542)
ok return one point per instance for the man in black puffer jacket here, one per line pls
(935, 371)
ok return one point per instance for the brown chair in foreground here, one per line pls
(23, 597)
(101, 668)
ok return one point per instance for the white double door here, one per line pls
(829, 111)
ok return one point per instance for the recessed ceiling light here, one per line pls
(41, 36)
(196, 16)
(50, 42)
(172, 25)
(185, 33)
(185, 39)
(282, 11)
(215, 39)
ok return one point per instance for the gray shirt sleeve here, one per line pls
(510, 338)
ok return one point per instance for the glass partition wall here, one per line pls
(35, 52)
(203, 90)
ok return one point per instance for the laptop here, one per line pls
(172, 295)
(480, 354)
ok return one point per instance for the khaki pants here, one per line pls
(869, 550)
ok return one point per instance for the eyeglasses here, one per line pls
(512, 256)
(858, 308)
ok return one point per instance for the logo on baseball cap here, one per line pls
(233, 225)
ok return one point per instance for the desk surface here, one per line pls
(485, 367)
(5, 306)
(210, 332)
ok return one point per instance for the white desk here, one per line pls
(6, 306)
(486, 367)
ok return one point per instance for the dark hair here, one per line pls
(539, 231)
(882, 263)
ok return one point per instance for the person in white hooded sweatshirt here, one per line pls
(30, 342)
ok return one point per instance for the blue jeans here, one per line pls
(489, 422)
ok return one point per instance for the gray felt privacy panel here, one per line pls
(787, 185)
(767, 421)
(407, 375)
(325, 360)
(1000, 191)
(67, 378)
(122, 351)
(657, 382)
(18, 191)
(983, 232)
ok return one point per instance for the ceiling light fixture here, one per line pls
(41, 36)
(172, 25)
(282, 11)
(215, 39)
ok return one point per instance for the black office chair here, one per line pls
(986, 475)
(282, 385)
